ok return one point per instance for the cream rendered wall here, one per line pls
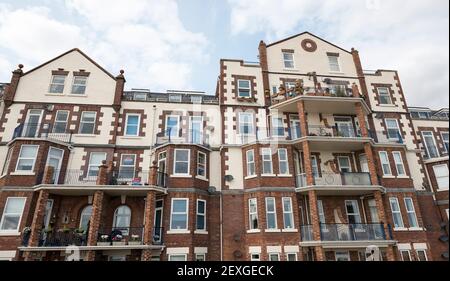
(105, 129)
(12, 123)
(3, 153)
(34, 86)
(414, 169)
(235, 160)
(76, 158)
(215, 170)
(386, 77)
(305, 62)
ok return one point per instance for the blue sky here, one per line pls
(169, 44)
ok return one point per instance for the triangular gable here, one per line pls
(306, 32)
(68, 52)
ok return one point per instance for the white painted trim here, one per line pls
(404, 246)
(254, 249)
(273, 249)
(200, 250)
(187, 216)
(291, 249)
(177, 251)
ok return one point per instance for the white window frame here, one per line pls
(249, 89)
(169, 258)
(394, 200)
(186, 214)
(204, 165)
(289, 254)
(93, 122)
(392, 128)
(445, 142)
(439, 188)
(349, 163)
(51, 83)
(431, 135)
(266, 152)
(409, 254)
(357, 212)
(138, 125)
(188, 162)
(269, 212)
(251, 124)
(192, 121)
(399, 162)
(92, 165)
(24, 158)
(82, 214)
(276, 120)
(56, 120)
(7, 162)
(281, 161)
(253, 257)
(250, 163)
(13, 214)
(345, 254)
(274, 254)
(82, 85)
(200, 214)
(255, 213)
(127, 166)
(411, 212)
(331, 64)
(292, 60)
(289, 213)
(178, 117)
(203, 257)
(388, 94)
(321, 212)
(315, 166)
(424, 252)
(380, 153)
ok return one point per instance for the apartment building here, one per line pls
(300, 156)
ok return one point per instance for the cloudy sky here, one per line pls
(169, 44)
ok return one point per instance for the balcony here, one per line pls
(346, 232)
(329, 183)
(43, 131)
(389, 138)
(171, 136)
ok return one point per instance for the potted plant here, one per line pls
(135, 240)
(103, 240)
(117, 240)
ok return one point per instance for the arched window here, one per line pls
(85, 217)
(122, 218)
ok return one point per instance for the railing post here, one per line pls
(38, 222)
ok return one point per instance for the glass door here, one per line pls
(295, 127)
(54, 159)
(32, 123)
(157, 232)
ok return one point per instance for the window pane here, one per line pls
(28, 151)
(181, 155)
(179, 206)
(15, 205)
(179, 221)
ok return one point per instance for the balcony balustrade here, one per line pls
(336, 179)
(346, 232)
(176, 136)
(53, 132)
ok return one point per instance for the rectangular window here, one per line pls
(179, 214)
(295, 127)
(430, 144)
(266, 155)
(344, 126)
(288, 58)
(12, 214)
(288, 215)
(406, 255)
(60, 124)
(175, 98)
(87, 122)
(385, 164)
(441, 175)
(7, 162)
(201, 164)
(57, 84)
(250, 162)
(132, 124)
(444, 137)
(314, 166)
(200, 257)
(333, 62)
(411, 212)
(79, 85)
(321, 211)
(393, 131)
(373, 210)
(196, 132)
(201, 215)
(344, 164)
(196, 99)
(291, 256)
(352, 209)
(422, 255)
(274, 257)
(127, 166)
(399, 163)
(271, 213)
(253, 213)
(384, 95)
(283, 161)
(423, 115)
(396, 213)
(95, 160)
(172, 126)
(244, 89)
(255, 257)
(181, 166)
(342, 256)
(181, 257)
(27, 157)
(246, 125)
(277, 127)
(339, 90)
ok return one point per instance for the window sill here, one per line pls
(251, 177)
(55, 94)
(253, 231)
(77, 95)
(201, 178)
(9, 233)
(181, 176)
(289, 230)
(291, 69)
(20, 173)
(85, 135)
(388, 177)
(415, 229)
(268, 175)
(400, 229)
(284, 175)
(403, 177)
(175, 231)
(270, 230)
(131, 137)
(388, 105)
(200, 232)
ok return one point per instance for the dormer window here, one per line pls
(333, 62)
(175, 98)
(244, 90)
(288, 57)
(79, 85)
(57, 84)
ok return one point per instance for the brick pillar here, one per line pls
(149, 222)
(11, 89)
(315, 222)
(48, 175)
(102, 177)
(302, 116)
(38, 222)
(120, 85)
(153, 174)
(307, 162)
(94, 223)
(390, 255)
(371, 163)
(382, 216)
(361, 120)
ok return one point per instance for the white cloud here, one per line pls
(146, 38)
(411, 36)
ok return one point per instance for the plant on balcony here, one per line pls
(117, 240)
(103, 241)
(134, 240)
(65, 229)
(26, 230)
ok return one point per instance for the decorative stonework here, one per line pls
(309, 45)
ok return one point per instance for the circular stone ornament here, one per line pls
(309, 45)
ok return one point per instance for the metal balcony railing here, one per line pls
(121, 236)
(352, 232)
(177, 136)
(327, 90)
(383, 137)
(59, 238)
(137, 178)
(46, 131)
(333, 131)
(306, 232)
(336, 179)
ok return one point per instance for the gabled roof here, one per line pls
(68, 52)
(309, 33)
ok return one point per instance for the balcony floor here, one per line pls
(344, 190)
(348, 244)
(93, 248)
(112, 190)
